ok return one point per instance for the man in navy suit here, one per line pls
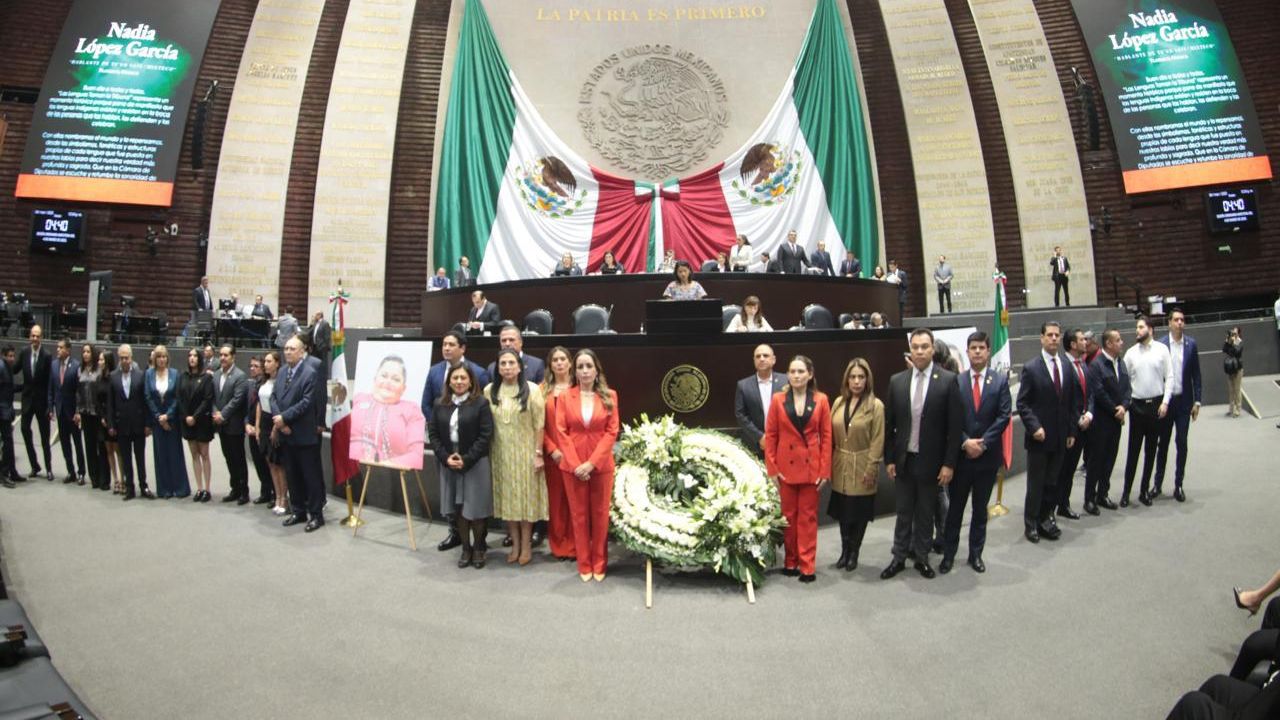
(987, 408)
(8, 471)
(1049, 405)
(453, 349)
(127, 421)
(64, 379)
(510, 338)
(753, 395)
(294, 400)
(1109, 403)
(1184, 403)
(850, 266)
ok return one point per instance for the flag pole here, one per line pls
(338, 323)
(1000, 339)
(994, 511)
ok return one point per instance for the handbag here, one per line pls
(1231, 365)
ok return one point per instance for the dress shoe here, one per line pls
(313, 525)
(1106, 502)
(68, 479)
(294, 520)
(479, 557)
(244, 500)
(853, 563)
(147, 494)
(49, 476)
(977, 564)
(843, 562)
(925, 571)
(1179, 495)
(128, 495)
(1049, 530)
(80, 480)
(894, 568)
(808, 578)
(7, 483)
(35, 473)
(198, 497)
(1145, 499)
(944, 567)
(262, 500)
(1091, 508)
(1066, 512)
(1032, 535)
(1124, 501)
(233, 497)
(450, 541)
(536, 538)
(506, 541)
(1157, 492)
(464, 561)
(791, 572)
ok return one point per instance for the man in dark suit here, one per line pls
(510, 338)
(260, 309)
(820, 259)
(1049, 405)
(765, 265)
(201, 298)
(987, 407)
(1109, 402)
(33, 363)
(898, 276)
(851, 266)
(483, 315)
(923, 424)
(230, 400)
(791, 255)
(753, 395)
(1060, 271)
(8, 471)
(295, 418)
(64, 379)
(1076, 347)
(321, 336)
(463, 277)
(1184, 403)
(453, 349)
(439, 281)
(127, 421)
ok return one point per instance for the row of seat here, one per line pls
(30, 686)
(592, 319)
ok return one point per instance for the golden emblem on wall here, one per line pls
(685, 388)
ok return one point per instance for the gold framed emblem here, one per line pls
(685, 388)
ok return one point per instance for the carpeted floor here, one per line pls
(170, 609)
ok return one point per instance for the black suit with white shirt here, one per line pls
(34, 367)
(749, 410)
(1054, 407)
(792, 258)
(127, 423)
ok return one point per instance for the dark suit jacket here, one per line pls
(320, 398)
(435, 383)
(1040, 406)
(822, 259)
(321, 334)
(1053, 265)
(562, 271)
(62, 395)
(851, 266)
(165, 403)
(475, 431)
(261, 310)
(464, 278)
(1190, 366)
(791, 260)
(1106, 391)
(902, 285)
(534, 369)
(35, 386)
(941, 421)
(988, 422)
(6, 392)
(127, 416)
(294, 400)
(197, 299)
(488, 314)
(749, 411)
(232, 401)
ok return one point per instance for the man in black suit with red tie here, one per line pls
(64, 381)
(1109, 398)
(1049, 405)
(1076, 347)
(33, 365)
(987, 408)
(923, 424)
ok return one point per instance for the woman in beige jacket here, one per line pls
(857, 446)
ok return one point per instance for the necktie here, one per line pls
(288, 377)
(1084, 392)
(62, 376)
(1057, 378)
(977, 393)
(125, 381)
(917, 409)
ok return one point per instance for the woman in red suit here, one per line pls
(587, 427)
(555, 384)
(797, 455)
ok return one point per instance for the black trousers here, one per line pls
(268, 489)
(1043, 468)
(8, 468)
(1061, 285)
(305, 476)
(1067, 475)
(135, 445)
(1177, 419)
(916, 494)
(1104, 443)
(41, 413)
(944, 293)
(237, 466)
(69, 436)
(970, 478)
(1144, 432)
(95, 452)
(1223, 698)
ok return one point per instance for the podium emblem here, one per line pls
(685, 388)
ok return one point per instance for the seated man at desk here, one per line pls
(260, 309)
(483, 316)
(440, 281)
(765, 265)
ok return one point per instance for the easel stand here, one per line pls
(648, 586)
(998, 509)
(351, 520)
(404, 493)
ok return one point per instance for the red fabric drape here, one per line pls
(622, 224)
(696, 223)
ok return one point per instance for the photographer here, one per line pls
(1233, 366)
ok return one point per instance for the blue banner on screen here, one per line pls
(1179, 106)
(113, 108)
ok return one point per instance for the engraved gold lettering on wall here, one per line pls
(353, 179)
(246, 225)
(675, 13)
(951, 178)
(1047, 181)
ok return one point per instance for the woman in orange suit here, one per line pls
(797, 455)
(587, 427)
(556, 383)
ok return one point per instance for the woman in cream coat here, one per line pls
(857, 442)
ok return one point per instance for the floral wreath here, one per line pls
(689, 498)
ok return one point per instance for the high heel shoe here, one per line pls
(1253, 609)
(586, 577)
(598, 577)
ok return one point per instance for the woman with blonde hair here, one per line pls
(857, 445)
(161, 385)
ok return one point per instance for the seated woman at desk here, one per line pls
(566, 267)
(384, 427)
(684, 287)
(750, 319)
(610, 265)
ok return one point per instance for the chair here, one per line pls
(539, 322)
(590, 319)
(845, 319)
(817, 317)
(708, 265)
(727, 314)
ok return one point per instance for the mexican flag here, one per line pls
(514, 198)
(1001, 360)
(338, 410)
